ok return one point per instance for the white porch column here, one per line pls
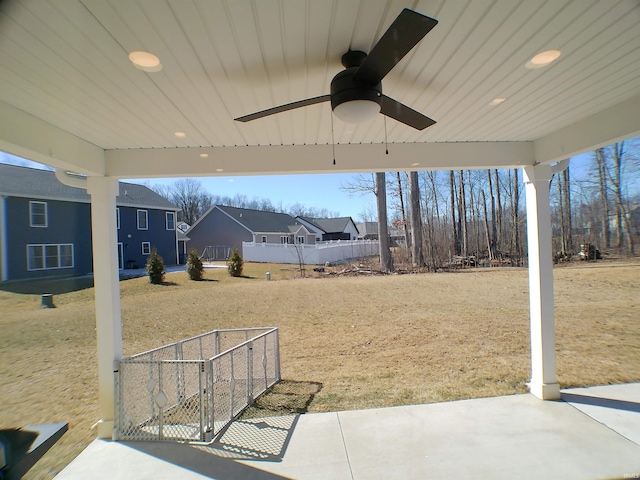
(103, 191)
(543, 382)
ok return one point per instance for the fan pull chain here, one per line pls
(386, 143)
(333, 142)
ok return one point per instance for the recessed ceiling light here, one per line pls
(204, 155)
(543, 59)
(219, 169)
(496, 101)
(145, 61)
(415, 164)
(180, 134)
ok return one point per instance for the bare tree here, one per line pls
(452, 197)
(604, 200)
(386, 260)
(417, 255)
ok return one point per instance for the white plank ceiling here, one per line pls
(65, 62)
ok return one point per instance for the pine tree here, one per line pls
(235, 263)
(195, 269)
(155, 267)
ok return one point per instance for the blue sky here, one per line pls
(317, 191)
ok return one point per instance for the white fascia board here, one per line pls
(307, 159)
(26, 136)
(611, 125)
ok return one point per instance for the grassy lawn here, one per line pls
(357, 342)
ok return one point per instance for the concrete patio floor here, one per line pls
(594, 433)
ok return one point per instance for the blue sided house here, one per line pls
(45, 226)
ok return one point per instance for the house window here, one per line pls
(300, 240)
(143, 220)
(264, 239)
(171, 221)
(46, 257)
(38, 214)
(117, 218)
(146, 248)
(284, 239)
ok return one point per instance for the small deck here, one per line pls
(593, 433)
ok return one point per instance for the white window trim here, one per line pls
(300, 239)
(167, 215)
(46, 214)
(148, 245)
(146, 214)
(117, 218)
(59, 256)
(284, 239)
(264, 239)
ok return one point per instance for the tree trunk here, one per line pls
(567, 211)
(499, 223)
(386, 261)
(494, 228)
(405, 231)
(516, 206)
(417, 256)
(486, 226)
(602, 183)
(452, 194)
(462, 204)
(561, 209)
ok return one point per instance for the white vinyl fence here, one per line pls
(337, 251)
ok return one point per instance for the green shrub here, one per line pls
(195, 269)
(235, 263)
(155, 267)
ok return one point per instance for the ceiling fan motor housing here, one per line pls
(345, 89)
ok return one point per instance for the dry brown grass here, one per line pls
(370, 341)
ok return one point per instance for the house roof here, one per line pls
(259, 221)
(329, 225)
(367, 228)
(16, 181)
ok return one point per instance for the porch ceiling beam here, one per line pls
(611, 125)
(304, 159)
(26, 136)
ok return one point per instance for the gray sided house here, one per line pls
(326, 229)
(223, 228)
(45, 226)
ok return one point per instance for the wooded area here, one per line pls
(470, 217)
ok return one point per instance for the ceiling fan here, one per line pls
(356, 92)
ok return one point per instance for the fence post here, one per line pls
(180, 388)
(250, 373)
(264, 363)
(160, 409)
(118, 405)
(232, 386)
(277, 355)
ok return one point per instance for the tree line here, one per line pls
(194, 200)
(479, 216)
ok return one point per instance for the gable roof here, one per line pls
(259, 220)
(28, 182)
(329, 225)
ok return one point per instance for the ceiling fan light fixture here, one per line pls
(357, 111)
(145, 61)
(543, 59)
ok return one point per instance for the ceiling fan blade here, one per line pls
(396, 110)
(404, 33)
(284, 108)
